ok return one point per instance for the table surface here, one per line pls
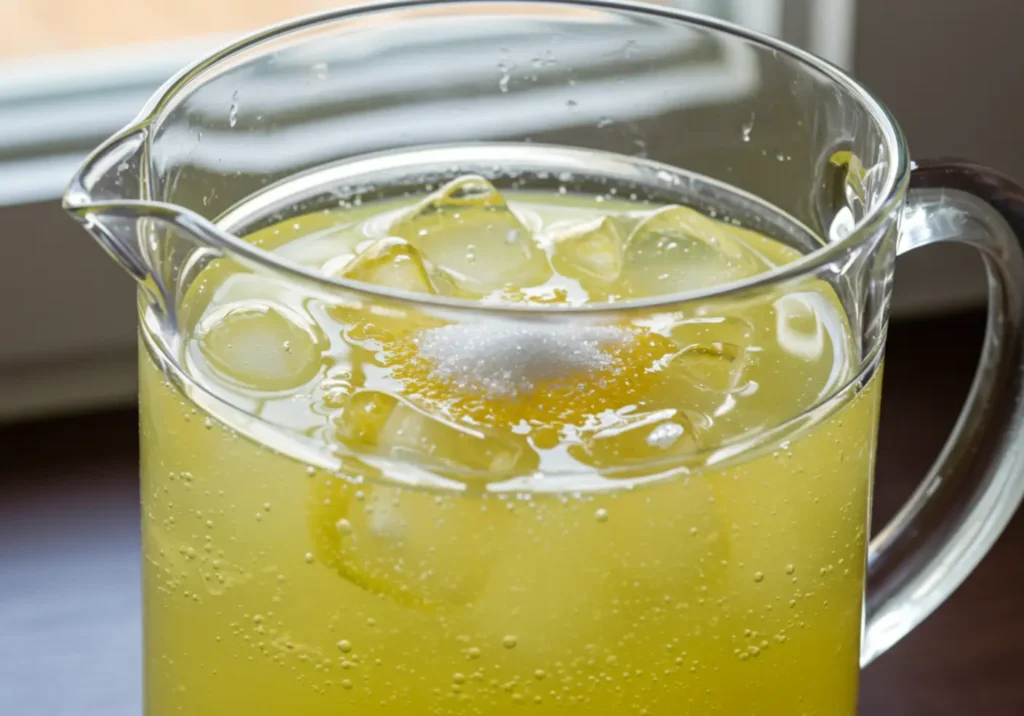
(69, 558)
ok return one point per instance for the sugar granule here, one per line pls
(510, 359)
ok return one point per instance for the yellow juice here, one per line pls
(661, 513)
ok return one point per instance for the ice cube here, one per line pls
(391, 262)
(590, 251)
(467, 229)
(717, 366)
(386, 425)
(416, 548)
(261, 345)
(639, 443)
(714, 352)
(394, 263)
(676, 248)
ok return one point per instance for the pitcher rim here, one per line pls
(896, 175)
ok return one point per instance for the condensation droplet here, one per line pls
(748, 127)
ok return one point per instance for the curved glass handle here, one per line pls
(977, 482)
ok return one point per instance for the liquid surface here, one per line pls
(474, 513)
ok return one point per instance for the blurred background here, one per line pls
(72, 72)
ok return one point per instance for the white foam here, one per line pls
(507, 359)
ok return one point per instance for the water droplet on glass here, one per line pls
(748, 127)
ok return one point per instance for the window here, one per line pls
(71, 73)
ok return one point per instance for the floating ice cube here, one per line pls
(593, 250)
(717, 365)
(714, 352)
(391, 262)
(386, 425)
(639, 443)
(467, 229)
(679, 249)
(261, 345)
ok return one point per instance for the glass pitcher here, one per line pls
(312, 544)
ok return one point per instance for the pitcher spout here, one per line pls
(107, 197)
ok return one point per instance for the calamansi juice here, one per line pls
(350, 506)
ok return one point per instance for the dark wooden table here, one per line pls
(69, 583)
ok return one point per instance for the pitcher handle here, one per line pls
(977, 481)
